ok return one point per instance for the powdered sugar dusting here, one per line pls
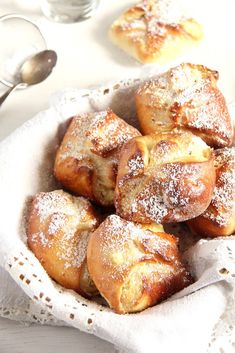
(210, 118)
(120, 241)
(40, 237)
(54, 202)
(72, 250)
(135, 164)
(177, 178)
(65, 224)
(177, 85)
(99, 132)
(163, 149)
(110, 133)
(170, 182)
(76, 146)
(224, 155)
(92, 144)
(169, 195)
(98, 117)
(187, 96)
(222, 207)
(167, 11)
(154, 15)
(57, 221)
(134, 260)
(152, 205)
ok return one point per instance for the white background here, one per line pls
(86, 57)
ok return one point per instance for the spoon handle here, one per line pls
(6, 94)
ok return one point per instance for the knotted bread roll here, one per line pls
(165, 177)
(86, 162)
(59, 226)
(134, 266)
(186, 96)
(155, 31)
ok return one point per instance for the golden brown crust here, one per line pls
(155, 31)
(86, 162)
(219, 218)
(59, 226)
(163, 178)
(134, 266)
(186, 96)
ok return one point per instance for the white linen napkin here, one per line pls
(199, 319)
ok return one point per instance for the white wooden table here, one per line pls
(86, 57)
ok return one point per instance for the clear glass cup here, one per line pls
(69, 11)
(20, 38)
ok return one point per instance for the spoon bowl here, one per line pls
(37, 68)
(34, 70)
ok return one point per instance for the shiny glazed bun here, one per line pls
(86, 162)
(134, 266)
(219, 218)
(155, 31)
(186, 96)
(165, 177)
(59, 226)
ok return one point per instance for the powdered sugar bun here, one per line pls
(86, 162)
(219, 218)
(155, 31)
(163, 178)
(186, 96)
(134, 266)
(59, 226)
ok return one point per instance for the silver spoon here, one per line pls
(34, 70)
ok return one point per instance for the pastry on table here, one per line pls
(219, 218)
(86, 162)
(163, 178)
(134, 266)
(59, 226)
(186, 96)
(155, 31)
